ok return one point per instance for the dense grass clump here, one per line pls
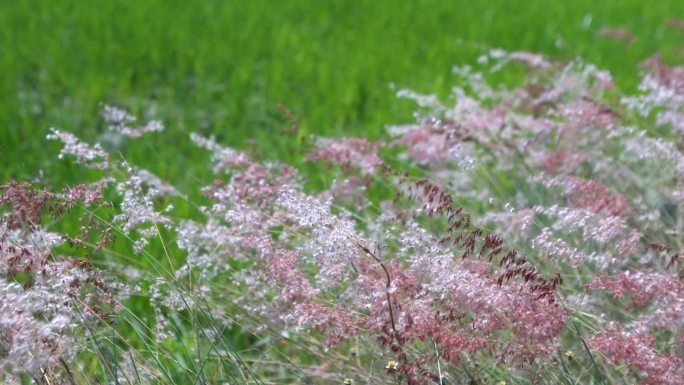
(518, 233)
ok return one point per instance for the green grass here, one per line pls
(222, 67)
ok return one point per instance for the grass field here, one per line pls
(245, 72)
(223, 67)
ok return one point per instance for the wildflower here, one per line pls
(643, 287)
(590, 195)
(39, 320)
(348, 153)
(224, 158)
(119, 120)
(638, 351)
(426, 146)
(90, 156)
(532, 60)
(392, 365)
(348, 381)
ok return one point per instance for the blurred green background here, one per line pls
(222, 67)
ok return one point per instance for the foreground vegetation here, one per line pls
(570, 271)
(524, 226)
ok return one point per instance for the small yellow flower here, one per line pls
(349, 381)
(570, 354)
(502, 383)
(392, 365)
